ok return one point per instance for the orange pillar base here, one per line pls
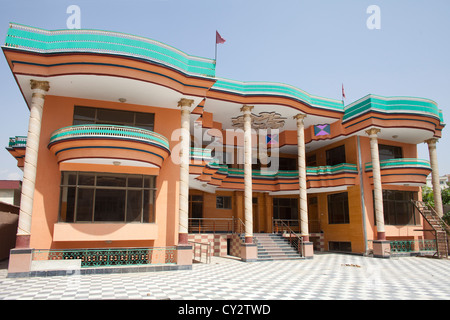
(381, 249)
(184, 255)
(20, 262)
(249, 252)
(308, 250)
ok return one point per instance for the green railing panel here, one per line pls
(109, 131)
(111, 257)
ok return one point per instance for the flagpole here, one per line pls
(215, 57)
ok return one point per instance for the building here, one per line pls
(10, 191)
(443, 181)
(134, 144)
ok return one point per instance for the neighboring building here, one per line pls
(105, 167)
(443, 181)
(10, 191)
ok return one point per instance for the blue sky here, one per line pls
(315, 45)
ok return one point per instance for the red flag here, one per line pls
(219, 39)
(343, 92)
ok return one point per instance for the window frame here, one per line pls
(333, 217)
(396, 151)
(226, 202)
(330, 158)
(146, 192)
(95, 120)
(392, 203)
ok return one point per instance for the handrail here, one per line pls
(214, 225)
(294, 239)
(442, 235)
(422, 205)
(207, 251)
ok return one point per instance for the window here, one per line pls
(285, 208)
(311, 161)
(340, 246)
(389, 152)
(335, 156)
(196, 206)
(103, 197)
(288, 163)
(87, 115)
(223, 202)
(397, 207)
(338, 208)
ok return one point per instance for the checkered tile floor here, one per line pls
(327, 276)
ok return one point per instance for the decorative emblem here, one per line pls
(321, 130)
(265, 120)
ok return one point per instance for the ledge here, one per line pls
(104, 231)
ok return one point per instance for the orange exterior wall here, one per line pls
(392, 232)
(58, 113)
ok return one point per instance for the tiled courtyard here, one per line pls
(326, 277)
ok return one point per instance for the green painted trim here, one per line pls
(83, 131)
(45, 41)
(400, 163)
(276, 89)
(286, 174)
(392, 105)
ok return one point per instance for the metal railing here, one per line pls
(405, 246)
(201, 251)
(280, 226)
(107, 257)
(216, 225)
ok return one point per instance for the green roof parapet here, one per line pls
(393, 105)
(97, 41)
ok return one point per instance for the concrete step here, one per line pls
(274, 247)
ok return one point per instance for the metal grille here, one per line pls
(111, 257)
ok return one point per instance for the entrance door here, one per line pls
(286, 209)
(313, 215)
(255, 215)
(195, 212)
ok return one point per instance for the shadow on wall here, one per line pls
(8, 229)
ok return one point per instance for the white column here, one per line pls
(248, 203)
(304, 229)
(39, 89)
(377, 187)
(185, 105)
(435, 176)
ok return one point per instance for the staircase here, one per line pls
(274, 247)
(439, 228)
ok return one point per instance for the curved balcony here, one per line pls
(317, 177)
(409, 171)
(16, 147)
(109, 144)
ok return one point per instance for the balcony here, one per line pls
(406, 171)
(284, 180)
(16, 147)
(109, 144)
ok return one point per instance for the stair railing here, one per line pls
(444, 228)
(279, 226)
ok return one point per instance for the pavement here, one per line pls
(328, 276)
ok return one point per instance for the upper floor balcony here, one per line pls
(109, 144)
(222, 176)
(410, 171)
(16, 147)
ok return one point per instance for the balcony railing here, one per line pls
(90, 258)
(17, 142)
(109, 132)
(401, 163)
